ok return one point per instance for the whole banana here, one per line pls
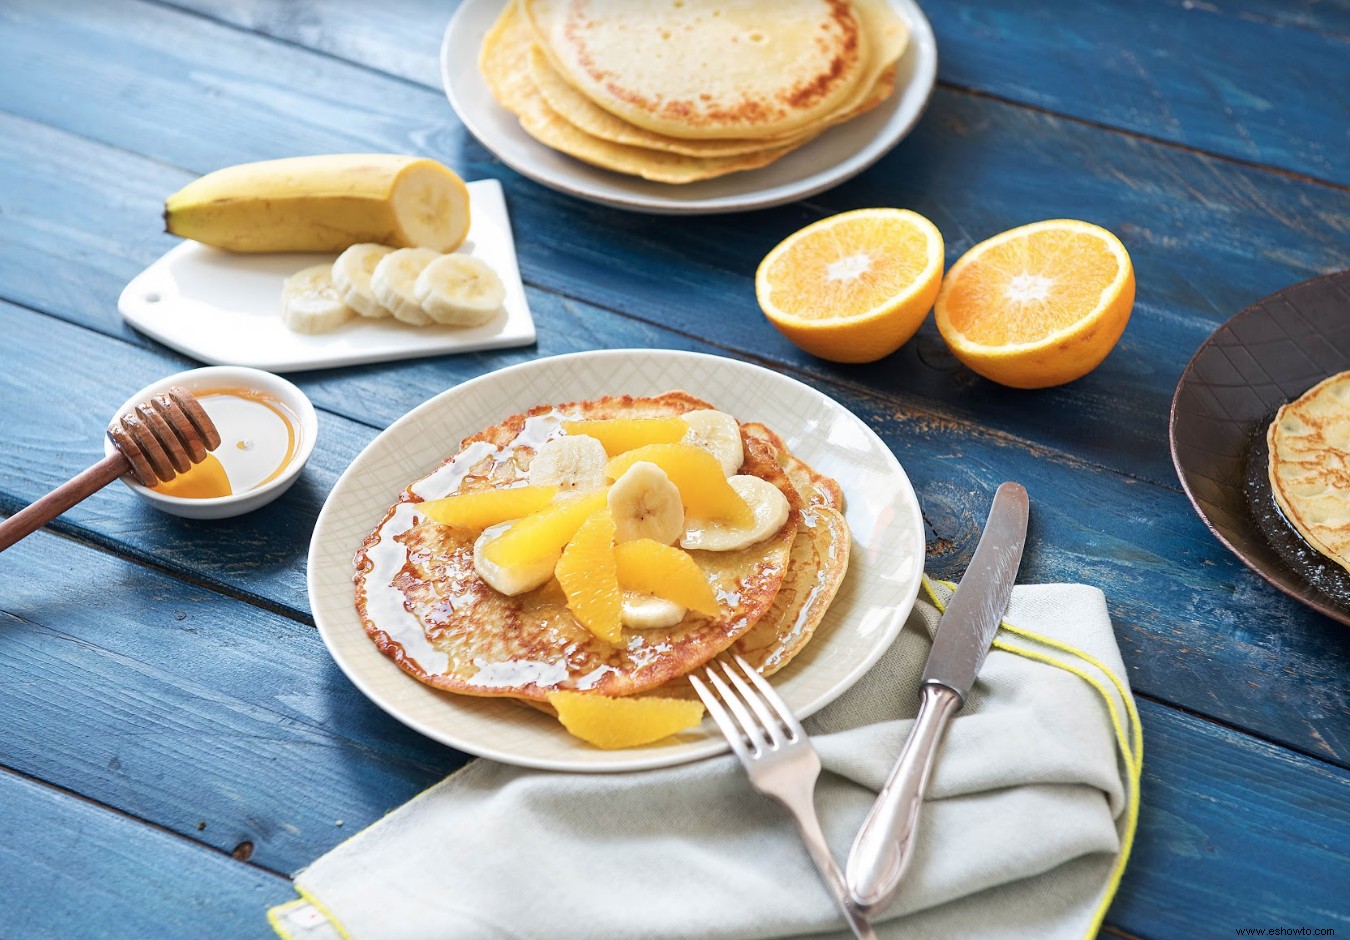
(324, 203)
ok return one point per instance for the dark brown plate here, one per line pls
(1267, 355)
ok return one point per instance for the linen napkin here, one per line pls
(1030, 815)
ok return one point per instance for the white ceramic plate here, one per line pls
(867, 615)
(837, 155)
(222, 308)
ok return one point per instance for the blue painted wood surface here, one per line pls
(1192, 223)
(1197, 74)
(75, 870)
(114, 731)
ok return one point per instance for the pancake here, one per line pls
(707, 68)
(815, 489)
(1309, 467)
(504, 61)
(425, 607)
(816, 568)
(589, 118)
(888, 36)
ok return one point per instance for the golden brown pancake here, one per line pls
(818, 563)
(1309, 467)
(476, 641)
(589, 118)
(816, 569)
(707, 68)
(888, 37)
(525, 81)
(815, 489)
(505, 63)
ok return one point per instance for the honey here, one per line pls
(259, 437)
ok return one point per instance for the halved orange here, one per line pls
(853, 287)
(1038, 305)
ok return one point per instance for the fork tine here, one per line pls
(751, 728)
(730, 729)
(756, 702)
(770, 695)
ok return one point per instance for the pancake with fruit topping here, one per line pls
(481, 602)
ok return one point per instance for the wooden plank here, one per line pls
(184, 708)
(251, 560)
(1207, 237)
(1175, 70)
(1221, 845)
(953, 465)
(200, 713)
(1218, 77)
(1194, 624)
(72, 869)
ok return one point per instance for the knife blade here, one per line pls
(884, 845)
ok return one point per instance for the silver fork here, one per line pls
(780, 761)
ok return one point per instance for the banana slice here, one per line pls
(646, 505)
(459, 290)
(640, 611)
(393, 280)
(351, 277)
(574, 462)
(510, 581)
(718, 433)
(310, 303)
(768, 506)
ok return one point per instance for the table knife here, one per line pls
(883, 847)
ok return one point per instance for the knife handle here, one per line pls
(882, 849)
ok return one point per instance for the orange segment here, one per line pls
(648, 566)
(587, 574)
(613, 723)
(1038, 305)
(621, 434)
(855, 286)
(698, 476)
(482, 508)
(542, 535)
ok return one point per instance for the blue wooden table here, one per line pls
(174, 738)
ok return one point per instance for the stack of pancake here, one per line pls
(424, 606)
(683, 90)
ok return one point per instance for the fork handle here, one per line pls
(884, 845)
(819, 850)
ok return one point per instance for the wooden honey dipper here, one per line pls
(156, 440)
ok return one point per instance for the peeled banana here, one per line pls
(393, 280)
(646, 505)
(769, 510)
(574, 462)
(324, 203)
(459, 290)
(640, 611)
(310, 303)
(351, 277)
(718, 433)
